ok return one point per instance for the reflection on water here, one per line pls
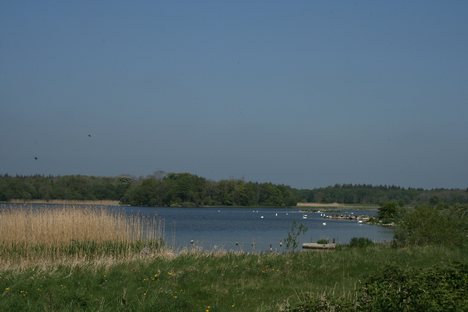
(253, 229)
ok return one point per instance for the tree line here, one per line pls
(70, 187)
(185, 189)
(370, 194)
(174, 189)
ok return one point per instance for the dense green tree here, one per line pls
(146, 192)
(184, 188)
(388, 212)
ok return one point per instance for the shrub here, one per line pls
(432, 289)
(292, 241)
(396, 289)
(426, 225)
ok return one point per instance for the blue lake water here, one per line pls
(248, 229)
(254, 229)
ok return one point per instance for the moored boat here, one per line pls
(318, 246)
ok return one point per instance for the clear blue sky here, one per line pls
(305, 93)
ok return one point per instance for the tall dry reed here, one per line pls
(53, 226)
(83, 232)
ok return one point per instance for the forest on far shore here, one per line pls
(188, 190)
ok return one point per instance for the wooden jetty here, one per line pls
(318, 246)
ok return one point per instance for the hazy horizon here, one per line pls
(307, 94)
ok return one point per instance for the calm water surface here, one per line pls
(254, 229)
(249, 229)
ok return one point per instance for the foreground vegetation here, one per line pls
(437, 288)
(217, 282)
(90, 259)
(184, 189)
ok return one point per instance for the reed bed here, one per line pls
(80, 233)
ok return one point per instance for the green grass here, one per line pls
(214, 282)
(29, 255)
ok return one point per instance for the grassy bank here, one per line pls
(213, 282)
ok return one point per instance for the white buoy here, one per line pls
(276, 214)
(261, 217)
(324, 223)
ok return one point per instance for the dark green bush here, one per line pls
(400, 290)
(389, 212)
(433, 289)
(427, 225)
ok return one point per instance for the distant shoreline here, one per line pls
(337, 206)
(66, 202)
(107, 202)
